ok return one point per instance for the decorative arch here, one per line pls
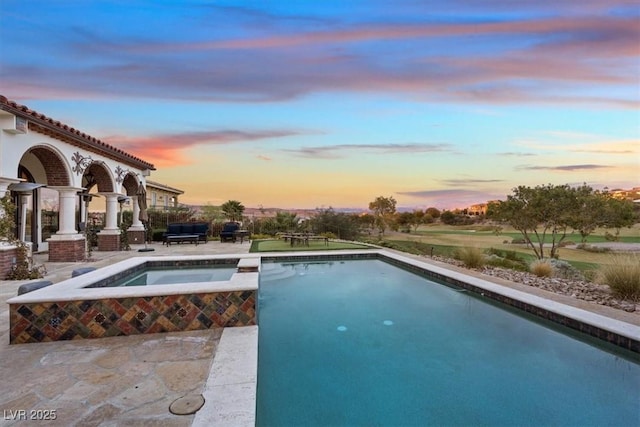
(97, 173)
(130, 184)
(56, 171)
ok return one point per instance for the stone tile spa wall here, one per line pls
(67, 320)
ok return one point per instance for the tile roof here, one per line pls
(40, 123)
(163, 187)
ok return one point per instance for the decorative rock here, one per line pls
(33, 286)
(80, 271)
(578, 289)
(187, 405)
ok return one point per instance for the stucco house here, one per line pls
(48, 168)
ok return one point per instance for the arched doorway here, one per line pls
(37, 216)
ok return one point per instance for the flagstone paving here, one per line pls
(119, 381)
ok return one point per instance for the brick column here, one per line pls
(67, 245)
(8, 255)
(136, 237)
(109, 236)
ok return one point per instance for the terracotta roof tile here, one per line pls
(61, 128)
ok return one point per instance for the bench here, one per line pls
(184, 232)
(303, 238)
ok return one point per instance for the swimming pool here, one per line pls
(365, 343)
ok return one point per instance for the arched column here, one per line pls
(136, 232)
(109, 236)
(136, 224)
(67, 245)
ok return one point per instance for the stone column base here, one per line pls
(67, 250)
(8, 256)
(108, 242)
(136, 237)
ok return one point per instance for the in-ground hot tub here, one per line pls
(94, 306)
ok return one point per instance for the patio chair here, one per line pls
(228, 232)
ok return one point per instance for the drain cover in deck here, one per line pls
(187, 405)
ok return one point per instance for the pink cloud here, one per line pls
(164, 150)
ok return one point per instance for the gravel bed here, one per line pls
(579, 289)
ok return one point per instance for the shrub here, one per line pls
(541, 268)
(594, 249)
(157, 235)
(518, 240)
(259, 236)
(329, 235)
(622, 275)
(471, 257)
(565, 270)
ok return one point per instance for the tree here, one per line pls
(434, 212)
(367, 221)
(383, 209)
(542, 213)
(344, 226)
(406, 220)
(286, 221)
(418, 219)
(233, 210)
(212, 213)
(618, 214)
(590, 213)
(448, 217)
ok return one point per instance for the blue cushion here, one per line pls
(231, 227)
(33, 286)
(186, 229)
(173, 229)
(80, 271)
(200, 228)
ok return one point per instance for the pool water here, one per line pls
(164, 276)
(366, 343)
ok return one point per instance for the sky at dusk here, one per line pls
(305, 104)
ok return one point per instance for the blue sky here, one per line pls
(307, 104)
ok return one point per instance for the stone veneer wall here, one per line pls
(66, 250)
(67, 320)
(7, 256)
(108, 242)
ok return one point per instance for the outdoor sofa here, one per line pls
(183, 229)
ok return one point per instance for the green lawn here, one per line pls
(275, 245)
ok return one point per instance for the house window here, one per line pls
(154, 198)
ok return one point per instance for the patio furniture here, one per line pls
(181, 238)
(184, 232)
(228, 232)
(33, 286)
(242, 234)
(82, 270)
(303, 238)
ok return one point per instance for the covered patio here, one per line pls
(52, 171)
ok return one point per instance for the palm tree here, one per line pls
(233, 210)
